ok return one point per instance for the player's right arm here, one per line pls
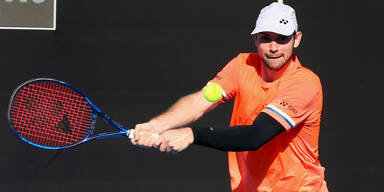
(185, 111)
(188, 108)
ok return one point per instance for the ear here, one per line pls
(297, 39)
(255, 38)
(255, 41)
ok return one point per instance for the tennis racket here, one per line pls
(52, 114)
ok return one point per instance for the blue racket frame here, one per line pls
(123, 131)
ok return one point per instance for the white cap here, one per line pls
(278, 18)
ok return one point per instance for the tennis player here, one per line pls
(274, 131)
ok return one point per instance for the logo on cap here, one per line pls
(283, 21)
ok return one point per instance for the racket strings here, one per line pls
(50, 114)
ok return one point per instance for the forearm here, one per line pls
(239, 138)
(184, 112)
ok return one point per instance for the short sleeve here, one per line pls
(227, 78)
(295, 102)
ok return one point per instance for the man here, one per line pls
(273, 136)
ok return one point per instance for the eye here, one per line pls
(265, 39)
(283, 39)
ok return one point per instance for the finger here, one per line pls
(147, 140)
(169, 149)
(158, 142)
(137, 131)
(163, 146)
(140, 137)
(177, 146)
(133, 141)
(152, 139)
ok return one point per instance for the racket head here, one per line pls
(50, 114)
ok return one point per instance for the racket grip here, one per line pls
(131, 133)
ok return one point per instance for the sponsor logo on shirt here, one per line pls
(288, 106)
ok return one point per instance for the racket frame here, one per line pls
(123, 131)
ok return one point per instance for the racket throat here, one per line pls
(106, 135)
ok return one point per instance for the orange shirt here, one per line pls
(288, 162)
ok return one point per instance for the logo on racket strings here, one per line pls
(65, 125)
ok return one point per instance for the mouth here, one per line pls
(273, 56)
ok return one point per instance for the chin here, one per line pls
(274, 66)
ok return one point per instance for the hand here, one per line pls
(175, 140)
(146, 134)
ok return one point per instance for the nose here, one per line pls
(273, 46)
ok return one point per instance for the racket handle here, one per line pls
(131, 133)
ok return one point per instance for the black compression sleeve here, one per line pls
(239, 138)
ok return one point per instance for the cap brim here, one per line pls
(286, 32)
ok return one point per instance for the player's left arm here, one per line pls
(234, 138)
(239, 138)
